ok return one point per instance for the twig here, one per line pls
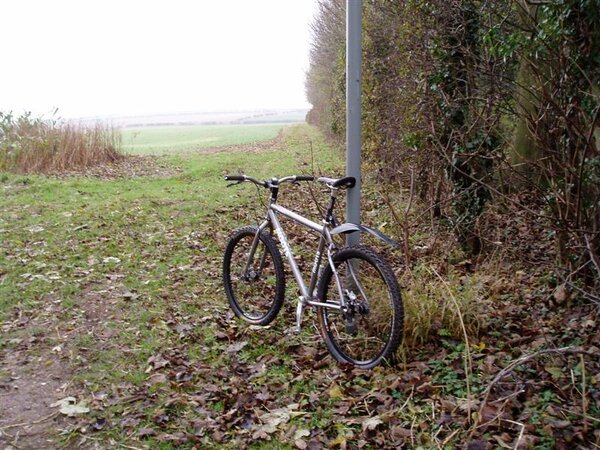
(412, 192)
(577, 413)
(412, 391)
(501, 408)
(35, 422)
(403, 224)
(592, 254)
(450, 436)
(583, 398)
(522, 360)
(520, 433)
(585, 294)
(508, 397)
(89, 438)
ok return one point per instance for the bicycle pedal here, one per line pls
(292, 330)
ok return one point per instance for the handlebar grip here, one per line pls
(304, 178)
(235, 177)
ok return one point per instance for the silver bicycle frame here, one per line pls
(306, 297)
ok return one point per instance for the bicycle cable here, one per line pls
(320, 209)
(258, 193)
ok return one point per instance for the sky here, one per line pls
(133, 57)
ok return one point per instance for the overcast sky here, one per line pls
(101, 57)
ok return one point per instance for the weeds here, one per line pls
(430, 311)
(35, 145)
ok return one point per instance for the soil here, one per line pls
(37, 369)
(33, 375)
(127, 167)
(28, 388)
(254, 147)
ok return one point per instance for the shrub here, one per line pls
(35, 145)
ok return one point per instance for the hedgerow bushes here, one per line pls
(469, 103)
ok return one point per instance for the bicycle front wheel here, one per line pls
(254, 280)
(369, 329)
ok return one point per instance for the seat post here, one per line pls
(329, 214)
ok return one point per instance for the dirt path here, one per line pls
(29, 386)
(35, 373)
(39, 362)
(253, 147)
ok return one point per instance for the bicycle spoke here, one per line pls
(253, 277)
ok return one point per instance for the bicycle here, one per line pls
(356, 295)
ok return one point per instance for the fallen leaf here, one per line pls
(157, 378)
(99, 424)
(477, 445)
(235, 348)
(556, 372)
(335, 392)
(339, 441)
(146, 432)
(130, 295)
(69, 407)
(560, 294)
(501, 442)
(370, 423)
(111, 259)
(272, 419)
(299, 443)
(300, 433)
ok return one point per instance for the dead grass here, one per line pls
(33, 145)
(432, 313)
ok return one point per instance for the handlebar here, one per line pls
(270, 183)
(242, 178)
(333, 183)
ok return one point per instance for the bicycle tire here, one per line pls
(366, 337)
(255, 295)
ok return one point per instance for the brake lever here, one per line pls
(233, 184)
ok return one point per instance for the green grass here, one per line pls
(164, 139)
(69, 244)
(58, 228)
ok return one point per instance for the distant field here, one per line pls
(166, 139)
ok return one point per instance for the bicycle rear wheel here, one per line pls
(370, 329)
(254, 282)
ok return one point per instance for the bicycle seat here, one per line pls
(344, 183)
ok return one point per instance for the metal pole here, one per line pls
(353, 111)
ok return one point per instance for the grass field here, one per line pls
(111, 293)
(165, 139)
(111, 296)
